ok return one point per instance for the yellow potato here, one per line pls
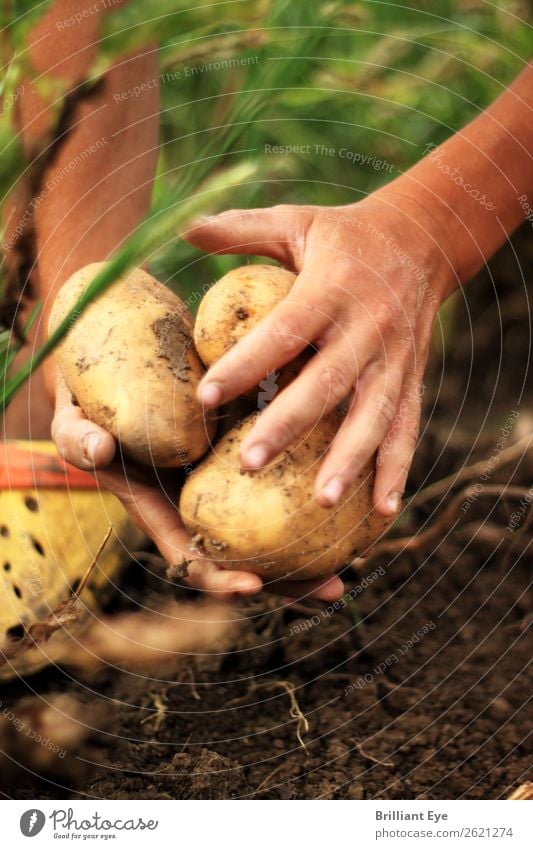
(268, 521)
(130, 362)
(235, 305)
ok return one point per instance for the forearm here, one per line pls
(98, 186)
(473, 185)
(95, 190)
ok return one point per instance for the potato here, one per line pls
(235, 305)
(268, 521)
(130, 362)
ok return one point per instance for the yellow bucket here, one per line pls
(53, 519)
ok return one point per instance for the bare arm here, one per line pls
(98, 186)
(475, 184)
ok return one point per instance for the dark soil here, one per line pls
(448, 716)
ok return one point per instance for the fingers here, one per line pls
(222, 583)
(152, 512)
(159, 519)
(396, 451)
(322, 384)
(367, 422)
(269, 232)
(277, 340)
(79, 441)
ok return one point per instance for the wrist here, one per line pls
(423, 233)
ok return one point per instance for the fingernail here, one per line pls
(332, 492)
(247, 586)
(256, 456)
(90, 446)
(211, 394)
(393, 502)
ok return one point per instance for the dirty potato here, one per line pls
(235, 305)
(268, 521)
(130, 363)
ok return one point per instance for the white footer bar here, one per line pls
(268, 825)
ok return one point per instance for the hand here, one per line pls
(89, 447)
(371, 279)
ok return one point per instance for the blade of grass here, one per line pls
(17, 345)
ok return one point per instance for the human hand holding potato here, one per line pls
(87, 446)
(371, 279)
(130, 362)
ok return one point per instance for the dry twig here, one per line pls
(302, 724)
(468, 473)
(157, 716)
(359, 747)
(441, 525)
(188, 672)
(265, 781)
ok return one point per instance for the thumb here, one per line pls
(79, 441)
(263, 232)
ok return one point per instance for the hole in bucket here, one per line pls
(37, 546)
(31, 503)
(15, 633)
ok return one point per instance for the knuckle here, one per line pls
(344, 269)
(410, 441)
(389, 318)
(324, 302)
(284, 209)
(415, 390)
(283, 432)
(386, 413)
(334, 382)
(408, 422)
(289, 333)
(296, 221)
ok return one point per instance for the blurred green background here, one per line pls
(375, 81)
(365, 86)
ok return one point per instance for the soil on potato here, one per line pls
(418, 688)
